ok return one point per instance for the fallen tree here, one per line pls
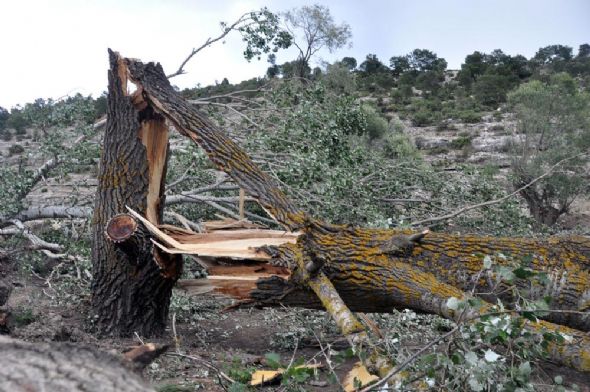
(338, 267)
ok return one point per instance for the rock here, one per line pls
(423, 143)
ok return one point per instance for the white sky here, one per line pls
(52, 48)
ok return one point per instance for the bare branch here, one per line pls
(187, 223)
(191, 198)
(207, 43)
(229, 107)
(53, 212)
(37, 243)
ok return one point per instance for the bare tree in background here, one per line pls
(313, 28)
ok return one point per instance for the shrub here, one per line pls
(423, 118)
(16, 149)
(6, 135)
(399, 146)
(461, 142)
(376, 125)
(469, 116)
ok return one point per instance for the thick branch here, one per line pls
(222, 151)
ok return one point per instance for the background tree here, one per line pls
(17, 120)
(421, 60)
(4, 115)
(313, 28)
(553, 122)
(372, 65)
(260, 30)
(474, 66)
(421, 68)
(339, 78)
(399, 65)
(349, 62)
(583, 51)
(552, 53)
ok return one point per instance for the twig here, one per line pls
(229, 107)
(408, 361)
(204, 363)
(139, 338)
(207, 43)
(327, 358)
(176, 340)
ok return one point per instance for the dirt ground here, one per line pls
(236, 342)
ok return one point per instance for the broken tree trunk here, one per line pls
(357, 259)
(369, 275)
(352, 267)
(129, 291)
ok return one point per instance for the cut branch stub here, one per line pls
(121, 228)
(402, 244)
(124, 231)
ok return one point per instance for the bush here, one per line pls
(376, 125)
(469, 116)
(16, 149)
(6, 135)
(491, 90)
(461, 142)
(423, 118)
(399, 146)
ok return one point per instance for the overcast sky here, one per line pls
(54, 48)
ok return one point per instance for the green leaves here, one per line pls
(262, 34)
(273, 360)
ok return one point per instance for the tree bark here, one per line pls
(130, 290)
(64, 367)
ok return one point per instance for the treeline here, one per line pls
(418, 84)
(43, 114)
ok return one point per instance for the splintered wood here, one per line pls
(239, 243)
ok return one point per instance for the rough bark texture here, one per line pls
(367, 269)
(367, 273)
(129, 292)
(64, 367)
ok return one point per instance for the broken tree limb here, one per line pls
(451, 259)
(156, 90)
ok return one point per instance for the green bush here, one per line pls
(376, 125)
(399, 146)
(16, 149)
(461, 142)
(469, 116)
(424, 117)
